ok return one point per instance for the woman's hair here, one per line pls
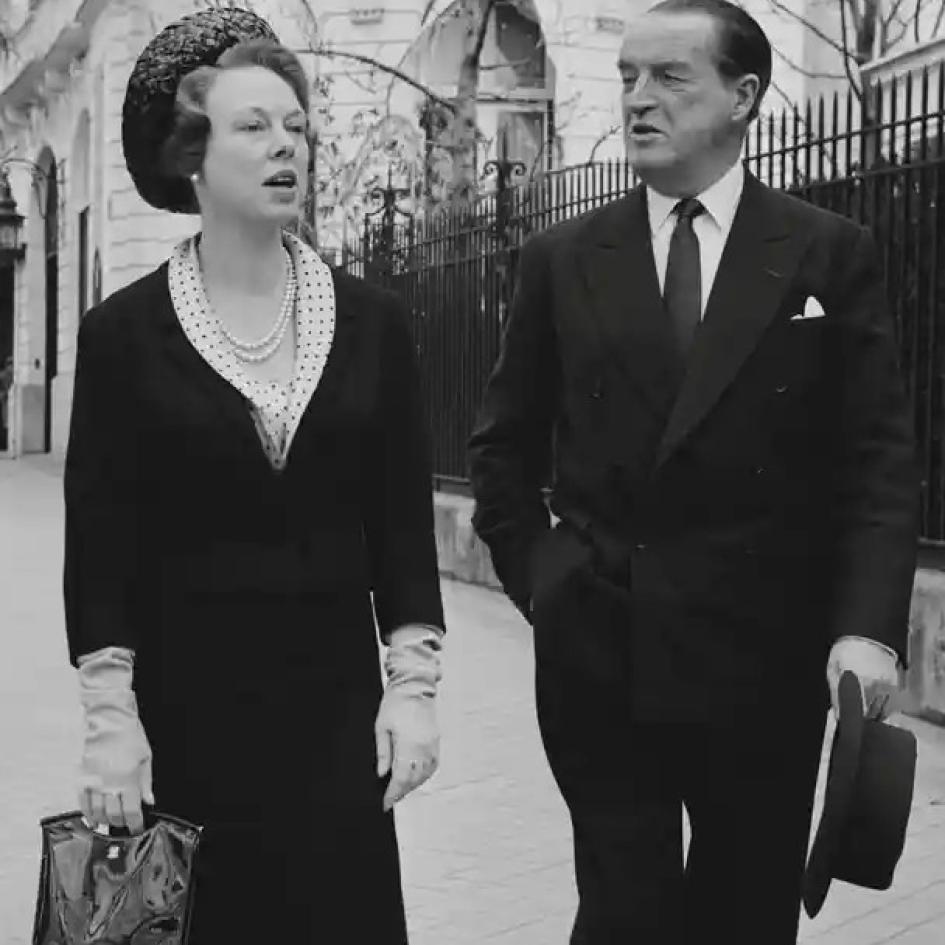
(186, 144)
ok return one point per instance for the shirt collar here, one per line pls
(720, 200)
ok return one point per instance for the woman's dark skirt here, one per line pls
(260, 711)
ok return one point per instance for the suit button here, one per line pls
(641, 546)
(759, 470)
(781, 388)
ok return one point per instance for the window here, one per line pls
(520, 137)
(520, 44)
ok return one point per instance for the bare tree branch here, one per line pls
(427, 10)
(322, 50)
(866, 29)
(938, 18)
(365, 85)
(806, 72)
(846, 53)
(354, 168)
(476, 51)
(816, 30)
(609, 133)
(855, 15)
(390, 70)
(465, 137)
(842, 47)
(890, 39)
(786, 98)
(893, 12)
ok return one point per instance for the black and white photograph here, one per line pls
(472, 472)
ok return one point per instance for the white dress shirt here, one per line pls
(711, 228)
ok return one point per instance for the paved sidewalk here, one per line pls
(486, 844)
(487, 847)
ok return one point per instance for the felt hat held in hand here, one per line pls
(868, 797)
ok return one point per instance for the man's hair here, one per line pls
(742, 46)
(186, 145)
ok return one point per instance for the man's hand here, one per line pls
(873, 665)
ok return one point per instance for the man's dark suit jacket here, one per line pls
(722, 521)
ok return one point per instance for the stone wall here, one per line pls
(926, 673)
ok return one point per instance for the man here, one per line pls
(708, 368)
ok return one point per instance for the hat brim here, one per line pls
(838, 792)
(874, 832)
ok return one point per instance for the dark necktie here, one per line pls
(682, 289)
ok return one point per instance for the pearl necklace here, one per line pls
(261, 350)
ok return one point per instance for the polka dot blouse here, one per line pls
(277, 409)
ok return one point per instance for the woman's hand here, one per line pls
(408, 743)
(115, 770)
(406, 730)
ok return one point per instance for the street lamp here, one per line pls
(11, 223)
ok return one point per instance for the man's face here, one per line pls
(682, 117)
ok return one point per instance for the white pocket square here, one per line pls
(812, 309)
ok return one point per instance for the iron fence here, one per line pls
(878, 160)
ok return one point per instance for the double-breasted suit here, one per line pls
(723, 518)
(253, 597)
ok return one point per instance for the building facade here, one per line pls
(548, 96)
(86, 230)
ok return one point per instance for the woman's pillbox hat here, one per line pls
(198, 39)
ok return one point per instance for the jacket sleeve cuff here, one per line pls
(423, 632)
(110, 668)
(882, 646)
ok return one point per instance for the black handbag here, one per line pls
(106, 887)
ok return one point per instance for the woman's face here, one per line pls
(256, 158)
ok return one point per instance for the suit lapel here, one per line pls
(626, 305)
(760, 256)
(228, 401)
(324, 398)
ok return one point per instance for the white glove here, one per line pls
(874, 664)
(406, 730)
(115, 770)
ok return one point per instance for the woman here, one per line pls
(247, 463)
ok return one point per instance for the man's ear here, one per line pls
(747, 89)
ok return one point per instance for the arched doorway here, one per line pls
(79, 196)
(515, 110)
(525, 124)
(51, 259)
(38, 316)
(40, 313)
(6, 355)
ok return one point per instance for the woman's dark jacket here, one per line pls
(168, 490)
